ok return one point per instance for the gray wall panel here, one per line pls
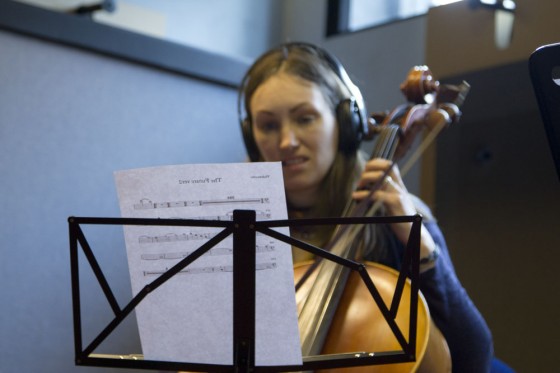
(68, 119)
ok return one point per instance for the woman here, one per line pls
(297, 106)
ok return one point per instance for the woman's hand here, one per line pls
(392, 193)
(396, 200)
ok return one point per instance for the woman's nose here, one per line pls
(288, 138)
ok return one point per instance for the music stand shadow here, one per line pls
(244, 227)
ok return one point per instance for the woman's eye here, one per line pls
(305, 119)
(268, 126)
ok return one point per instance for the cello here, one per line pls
(336, 312)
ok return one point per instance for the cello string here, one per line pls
(424, 144)
(427, 141)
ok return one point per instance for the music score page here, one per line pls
(190, 317)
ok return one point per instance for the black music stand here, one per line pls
(544, 66)
(244, 228)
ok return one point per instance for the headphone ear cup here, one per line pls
(250, 144)
(350, 127)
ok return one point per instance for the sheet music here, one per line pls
(189, 318)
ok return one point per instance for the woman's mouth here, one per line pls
(293, 161)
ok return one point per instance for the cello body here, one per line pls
(358, 324)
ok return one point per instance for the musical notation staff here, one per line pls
(216, 269)
(260, 215)
(174, 237)
(214, 251)
(146, 204)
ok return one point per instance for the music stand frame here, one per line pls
(244, 228)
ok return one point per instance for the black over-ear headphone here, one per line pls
(350, 113)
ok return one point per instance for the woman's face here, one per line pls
(293, 123)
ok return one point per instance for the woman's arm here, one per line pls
(397, 202)
(452, 310)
